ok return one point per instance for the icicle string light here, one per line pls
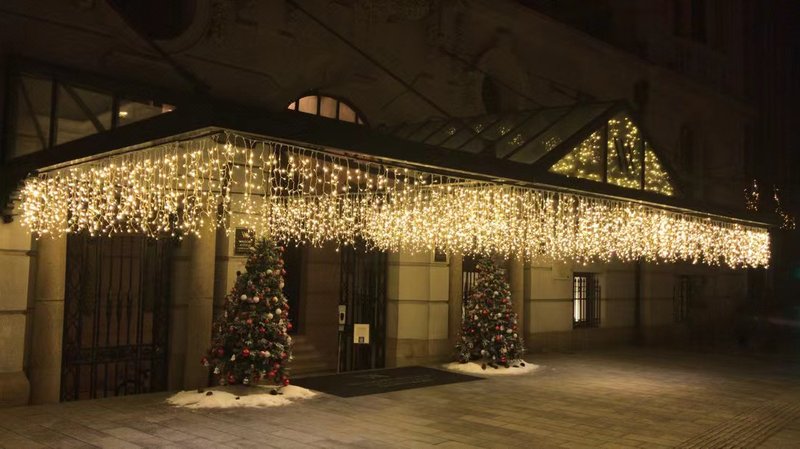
(306, 196)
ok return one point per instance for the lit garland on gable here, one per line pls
(623, 163)
(303, 195)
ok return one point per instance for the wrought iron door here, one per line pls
(116, 316)
(363, 291)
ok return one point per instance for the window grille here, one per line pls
(585, 300)
(680, 298)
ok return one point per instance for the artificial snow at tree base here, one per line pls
(236, 396)
(516, 368)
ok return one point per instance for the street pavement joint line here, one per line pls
(747, 429)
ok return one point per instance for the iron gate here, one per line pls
(116, 316)
(363, 291)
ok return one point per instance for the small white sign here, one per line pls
(361, 334)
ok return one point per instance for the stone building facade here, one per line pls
(423, 60)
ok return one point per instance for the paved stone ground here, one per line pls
(619, 399)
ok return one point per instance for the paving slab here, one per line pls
(623, 398)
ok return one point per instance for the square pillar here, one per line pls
(417, 310)
(516, 281)
(15, 277)
(455, 297)
(199, 291)
(48, 320)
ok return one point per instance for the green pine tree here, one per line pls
(251, 339)
(489, 331)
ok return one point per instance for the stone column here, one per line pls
(516, 280)
(455, 297)
(48, 320)
(199, 278)
(15, 258)
(417, 310)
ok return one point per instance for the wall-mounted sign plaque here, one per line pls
(243, 242)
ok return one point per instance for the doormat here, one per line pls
(362, 383)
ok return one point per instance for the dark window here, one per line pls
(81, 112)
(750, 155)
(46, 112)
(585, 300)
(329, 107)
(31, 116)
(681, 297)
(490, 94)
(699, 20)
(689, 19)
(686, 148)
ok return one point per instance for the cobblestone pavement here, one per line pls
(618, 399)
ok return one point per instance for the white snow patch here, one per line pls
(226, 397)
(476, 368)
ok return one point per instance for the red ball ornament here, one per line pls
(271, 374)
(220, 352)
(231, 379)
(289, 326)
(249, 322)
(497, 328)
(246, 352)
(285, 382)
(261, 330)
(276, 365)
(283, 355)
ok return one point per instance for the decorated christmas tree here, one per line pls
(251, 341)
(489, 328)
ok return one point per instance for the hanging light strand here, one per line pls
(306, 196)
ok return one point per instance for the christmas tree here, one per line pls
(251, 339)
(489, 328)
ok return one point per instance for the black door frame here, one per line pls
(362, 290)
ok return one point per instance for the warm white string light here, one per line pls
(624, 144)
(302, 195)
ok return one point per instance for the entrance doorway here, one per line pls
(116, 316)
(363, 293)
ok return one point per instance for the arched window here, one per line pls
(329, 107)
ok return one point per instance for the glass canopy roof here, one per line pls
(593, 141)
(518, 136)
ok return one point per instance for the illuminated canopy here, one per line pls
(316, 193)
(598, 141)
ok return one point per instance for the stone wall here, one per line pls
(17, 263)
(417, 309)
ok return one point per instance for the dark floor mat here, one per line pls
(361, 383)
